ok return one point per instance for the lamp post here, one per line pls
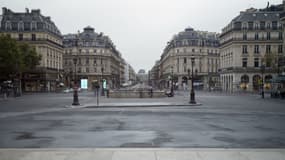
(102, 91)
(75, 87)
(172, 93)
(192, 93)
(262, 83)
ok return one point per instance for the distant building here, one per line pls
(252, 39)
(142, 76)
(175, 60)
(97, 59)
(154, 75)
(41, 32)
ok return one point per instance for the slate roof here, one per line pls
(43, 23)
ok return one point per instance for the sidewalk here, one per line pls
(142, 154)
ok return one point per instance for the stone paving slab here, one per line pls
(142, 154)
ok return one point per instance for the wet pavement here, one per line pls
(223, 121)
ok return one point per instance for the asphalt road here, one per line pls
(236, 121)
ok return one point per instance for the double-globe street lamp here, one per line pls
(192, 93)
(75, 87)
(262, 68)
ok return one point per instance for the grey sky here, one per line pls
(139, 28)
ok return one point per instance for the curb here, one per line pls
(136, 106)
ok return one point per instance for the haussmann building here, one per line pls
(40, 32)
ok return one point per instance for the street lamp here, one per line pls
(172, 93)
(75, 87)
(192, 93)
(262, 68)
(102, 91)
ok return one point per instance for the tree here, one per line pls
(9, 56)
(16, 57)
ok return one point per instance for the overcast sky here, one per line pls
(140, 29)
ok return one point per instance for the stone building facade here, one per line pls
(96, 58)
(247, 43)
(176, 59)
(40, 32)
(282, 59)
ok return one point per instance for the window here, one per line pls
(87, 70)
(20, 37)
(256, 25)
(250, 25)
(79, 61)
(94, 62)
(262, 25)
(244, 37)
(256, 62)
(79, 70)
(21, 26)
(184, 50)
(185, 60)
(268, 48)
(256, 36)
(87, 61)
(193, 50)
(274, 25)
(280, 48)
(34, 26)
(33, 37)
(256, 48)
(244, 25)
(244, 62)
(268, 25)
(177, 50)
(8, 25)
(244, 49)
(280, 35)
(177, 65)
(268, 36)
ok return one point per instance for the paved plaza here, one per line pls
(222, 121)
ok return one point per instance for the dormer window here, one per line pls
(244, 25)
(33, 25)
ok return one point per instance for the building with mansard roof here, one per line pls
(41, 32)
(175, 60)
(96, 57)
(252, 39)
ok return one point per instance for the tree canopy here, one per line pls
(16, 57)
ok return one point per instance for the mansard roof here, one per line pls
(30, 21)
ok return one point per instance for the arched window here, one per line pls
(244, 79)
